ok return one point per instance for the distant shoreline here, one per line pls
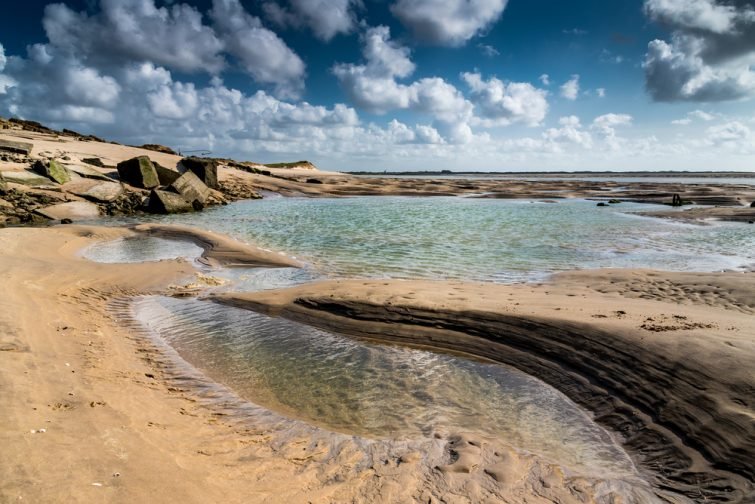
(670, 174)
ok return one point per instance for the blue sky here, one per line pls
(397, 84)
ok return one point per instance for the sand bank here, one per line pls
(220, 249)
(666, 359)
(92, 413)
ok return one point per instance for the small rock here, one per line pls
(52, 170)
(602, 204)
(94, 162)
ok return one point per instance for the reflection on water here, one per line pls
(139, 249)
(376, 390)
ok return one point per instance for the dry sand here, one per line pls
(92, 412)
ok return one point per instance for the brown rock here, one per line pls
(205, 169)
(138, 172)
(159, 148)
(17, 147)
(53, 170)
(191, 188)
(166, 176)
(73, 210)
(165, 202)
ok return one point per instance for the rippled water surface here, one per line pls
(139, 249)
(475, 239)
(377, 390)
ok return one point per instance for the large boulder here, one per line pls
(205, 169)
(165, 202)
(191, 188)
(138, 172)
(52, 170)
(166, 176)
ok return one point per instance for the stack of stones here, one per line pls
(190, 189)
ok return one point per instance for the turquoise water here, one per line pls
(386, 391)
(475, 239)
(374, 390)
(138, 249)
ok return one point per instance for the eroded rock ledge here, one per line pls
(676, 381)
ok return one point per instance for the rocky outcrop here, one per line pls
(205, 169)
(20, 207)
(53, 170)
(72, 210)
(26, 177)
(100, 192)
(16, 147)
(87, 172)
(159, 148)
(94, 162)
(166, 202)
(138, 172)
(128, 203)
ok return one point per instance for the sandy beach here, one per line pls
(93, 414)
(98, 410)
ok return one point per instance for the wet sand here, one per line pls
(93, 413)
(666, 359)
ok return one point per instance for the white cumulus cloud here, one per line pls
(732, 135)
(501, 103)
(570, 131)
(447, 22)
(136, 30)
(326, 18)
(373, 85)
(570, 88)
(263, 54)
(710, 55)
